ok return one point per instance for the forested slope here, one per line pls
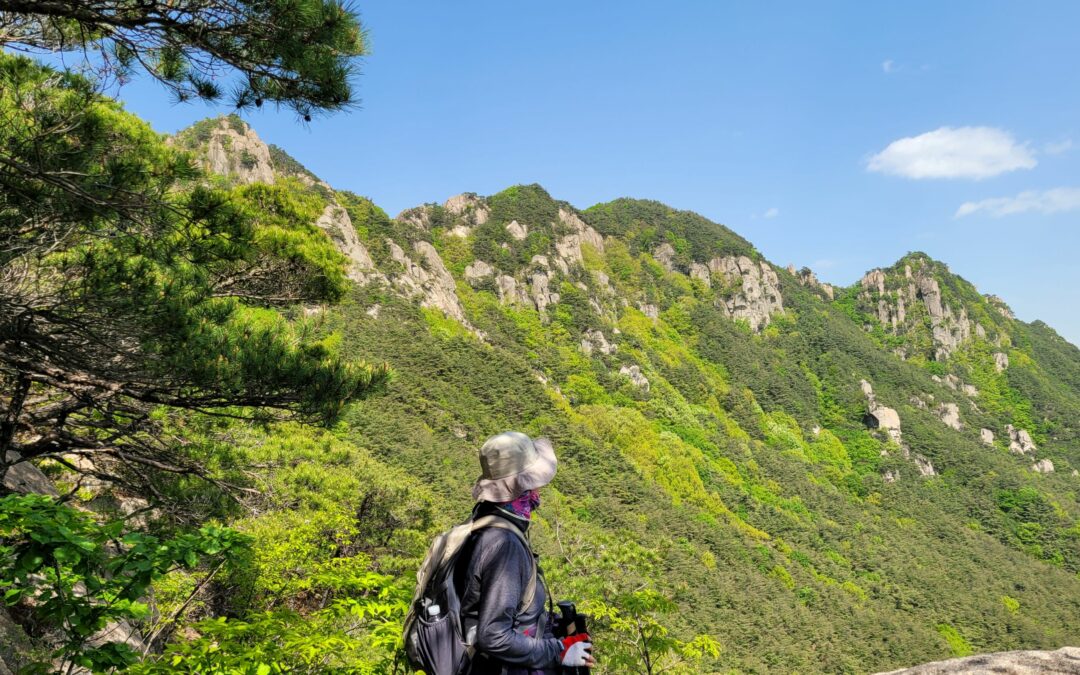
(767, 473)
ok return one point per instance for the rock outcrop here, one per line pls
(1000, 305)
(568, 247)
(949, 327)
(665, 255)
(336, 223)
(1020, 442)
(431, 281)
(879, 416)
(516, 230)
(751, 290)
(1062, 661)
(1043, 466)
(468, 208)
(236, 151)
(888, 420)
(748, 290)
(1001, 361)
(806, 277)
(949, 413)
(594, 341)
(986, 436)
(636, 377)
(478, 270)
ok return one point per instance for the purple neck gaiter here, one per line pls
(523, 506)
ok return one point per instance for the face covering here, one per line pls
(523, 506)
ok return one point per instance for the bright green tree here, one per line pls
(127, 289)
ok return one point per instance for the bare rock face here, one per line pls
(636, 377)
(756, 296)
(594, 340)
(948, 330)
(336, 223)
(16, 649)
(665, 255)
(1001, 361)
(879, 416)
(1043, 466)
(806, 277)
(890, 312)
(890, 476)
(925, 466)
(541, 293)
(478, 270)
(1000, 305)
(568, 247)
(517, 230)
(651, 311)
(874, 280)
(510, 292)
(469, 206)
(986, 436)
(949, 413)
(701, 272)
(25, 478)
(431, 280)
(1020, 442)
(1060, 662)
(242, 156)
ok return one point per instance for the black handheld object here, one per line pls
(569, 623)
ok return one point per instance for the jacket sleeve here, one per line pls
(504, 572)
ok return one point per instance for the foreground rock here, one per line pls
(1064, 660)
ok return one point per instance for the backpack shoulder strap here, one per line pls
(499, 523)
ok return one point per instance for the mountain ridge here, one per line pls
(794, 454)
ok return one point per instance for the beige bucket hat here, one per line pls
(512, 463)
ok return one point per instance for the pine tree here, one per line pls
(296, 53)
(128, 289)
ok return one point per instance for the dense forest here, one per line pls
(236, 414)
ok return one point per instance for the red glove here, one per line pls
(571, 640)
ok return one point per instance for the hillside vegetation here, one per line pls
(758, 472)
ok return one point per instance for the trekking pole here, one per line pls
(571, 623)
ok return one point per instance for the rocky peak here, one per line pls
(227, 146)
(746, 289)
(903, 297)
(806, 277)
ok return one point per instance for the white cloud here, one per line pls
(771, 213)
(888, 66)
(1057, 200)
(961, 152)
(1058, 147)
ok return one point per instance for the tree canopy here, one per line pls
(299, 54)
(127, 285)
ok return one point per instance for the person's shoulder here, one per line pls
(499, 541)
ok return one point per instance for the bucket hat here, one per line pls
(512, 463)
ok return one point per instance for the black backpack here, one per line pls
(434, 634)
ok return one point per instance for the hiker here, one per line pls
(497, 567)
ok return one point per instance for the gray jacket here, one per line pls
(492, 584)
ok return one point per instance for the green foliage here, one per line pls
(294, 54)
(78, 575)
(957, 644)
(643, 225)
(637, 639)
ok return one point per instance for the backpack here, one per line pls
(433, 631)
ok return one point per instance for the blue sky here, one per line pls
(783, 121)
